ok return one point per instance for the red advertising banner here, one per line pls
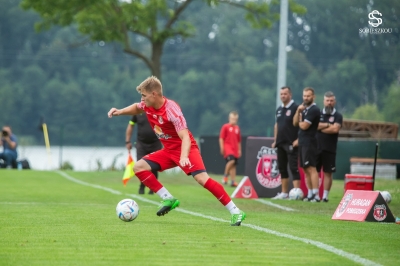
(245, 190)
(363, 205)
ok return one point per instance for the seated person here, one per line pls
(9, 142)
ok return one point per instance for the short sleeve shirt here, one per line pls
(328, 142)
(310, 115)
(166, 122)
(287, 133)
(231, 136)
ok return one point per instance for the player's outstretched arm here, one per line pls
(129, 110)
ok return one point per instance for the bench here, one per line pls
(385, 168)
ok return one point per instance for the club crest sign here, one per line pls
(267, 171)
(380, 212)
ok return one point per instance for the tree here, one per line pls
(391, 107)
(368, 112)
(131, 21)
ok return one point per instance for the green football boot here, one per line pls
(236, 219)
(167, 205)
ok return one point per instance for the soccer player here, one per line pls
(307, 119)
(231, 147)
(147, 142)
(180, 148)
(286, 142)
(327, 136)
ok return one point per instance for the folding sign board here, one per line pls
(245, 190)
(363, 205)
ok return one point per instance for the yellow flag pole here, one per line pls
(47, 142)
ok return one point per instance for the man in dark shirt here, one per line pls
(307, 119)
(285, 140)
(327, 137)
(147, 141)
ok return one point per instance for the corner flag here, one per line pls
(128, 174)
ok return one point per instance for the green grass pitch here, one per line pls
(48, 218)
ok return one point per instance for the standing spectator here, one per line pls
(307, 119)
(286, 142)
(180, 149)
(230, 147)
(9, 142)
(147, 142)
(327, 136)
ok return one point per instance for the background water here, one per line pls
(81, 158)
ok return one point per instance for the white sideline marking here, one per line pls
(347, 255)
(275, 205)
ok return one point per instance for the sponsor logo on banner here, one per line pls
(246, 191)
(363, 205)
(380, 212)
(267, 171)
(343, 205)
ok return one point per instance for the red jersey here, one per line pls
(231, 137)
(166, 122)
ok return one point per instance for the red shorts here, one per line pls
(168, 159)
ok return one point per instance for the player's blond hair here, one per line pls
(234, 113)
(149, 85)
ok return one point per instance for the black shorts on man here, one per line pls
(308, 155)
(287, 155)
(231, 158)
(326, 160)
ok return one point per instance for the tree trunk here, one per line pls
(157, 50)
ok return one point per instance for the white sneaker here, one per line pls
(281, 196)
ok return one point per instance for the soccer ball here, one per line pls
(386, 196)
(127, 210)
(296, 194)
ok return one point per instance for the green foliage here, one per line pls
(155, 20)
(391, 108)
(72, 81)
(368, 112)
(66, 166)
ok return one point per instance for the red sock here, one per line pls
(149, 180)
(218, 191)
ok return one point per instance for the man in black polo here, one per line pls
(327, 137)
(307, 119)
(147, 141)
(285, 140)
